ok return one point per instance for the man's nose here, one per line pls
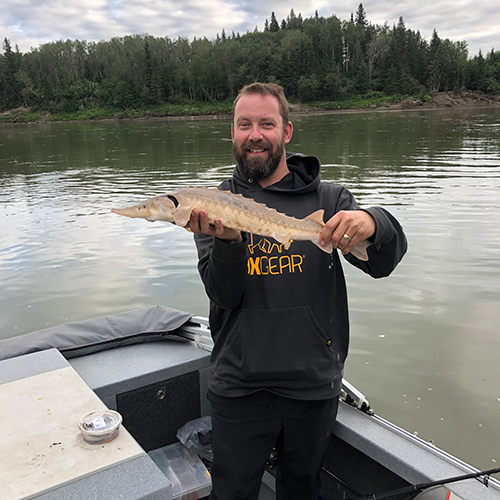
(255, 133)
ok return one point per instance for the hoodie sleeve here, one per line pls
(223, 269)
(388, 247)
(389, 242)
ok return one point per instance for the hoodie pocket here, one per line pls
(278, 345)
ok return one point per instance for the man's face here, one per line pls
(258, 135)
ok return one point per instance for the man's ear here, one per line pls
(288, 132)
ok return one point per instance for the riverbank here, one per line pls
(375, 101)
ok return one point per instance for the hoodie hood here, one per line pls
(304, 175)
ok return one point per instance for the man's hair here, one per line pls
(265, 89)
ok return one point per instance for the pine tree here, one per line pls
(274, 26)
(148, 70)
(399, 79)
(479, 81)
(434, 45)
(434, 66)
(359, 70)
(361, 17)
(9, 86)
(294, 22)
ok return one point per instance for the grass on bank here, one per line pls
(372, 100)
(23, 115)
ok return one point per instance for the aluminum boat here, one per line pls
(151, 366)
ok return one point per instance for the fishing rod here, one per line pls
(423, 486)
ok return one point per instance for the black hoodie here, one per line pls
(279, 317)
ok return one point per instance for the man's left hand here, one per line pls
(348, 227)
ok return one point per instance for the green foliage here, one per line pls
(308, 88)
(274, 26)
(315, 59)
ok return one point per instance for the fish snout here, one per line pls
(158, 208)
(141, 211)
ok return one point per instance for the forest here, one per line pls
(317, 59)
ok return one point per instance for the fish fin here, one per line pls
(284, 239)
(328, 248)
(317, 216)
(359, 250)
(182, 216)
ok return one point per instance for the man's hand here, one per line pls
(348, 227)
(198, 223)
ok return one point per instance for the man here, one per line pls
(279, 317)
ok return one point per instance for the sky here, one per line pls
(30, 23)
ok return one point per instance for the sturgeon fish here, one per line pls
(236, 212)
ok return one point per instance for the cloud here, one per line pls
(457, 20)
(29, 23)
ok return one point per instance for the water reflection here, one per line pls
(428, 361)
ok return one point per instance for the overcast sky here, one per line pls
(29, 23)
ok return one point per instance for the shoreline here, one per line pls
(441, 100)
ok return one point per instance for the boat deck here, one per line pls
(157, 387)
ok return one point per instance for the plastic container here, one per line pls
(189, 477)
(99, 427)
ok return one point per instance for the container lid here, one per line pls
(100, 423)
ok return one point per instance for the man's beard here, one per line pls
(260, 167)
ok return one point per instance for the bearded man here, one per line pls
(278, 317)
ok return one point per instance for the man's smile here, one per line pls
(257, 148)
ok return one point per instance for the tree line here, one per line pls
(314, 59)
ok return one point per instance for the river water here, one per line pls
(425, 341)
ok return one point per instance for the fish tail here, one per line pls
(359, 250)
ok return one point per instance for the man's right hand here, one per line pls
(198, 223)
